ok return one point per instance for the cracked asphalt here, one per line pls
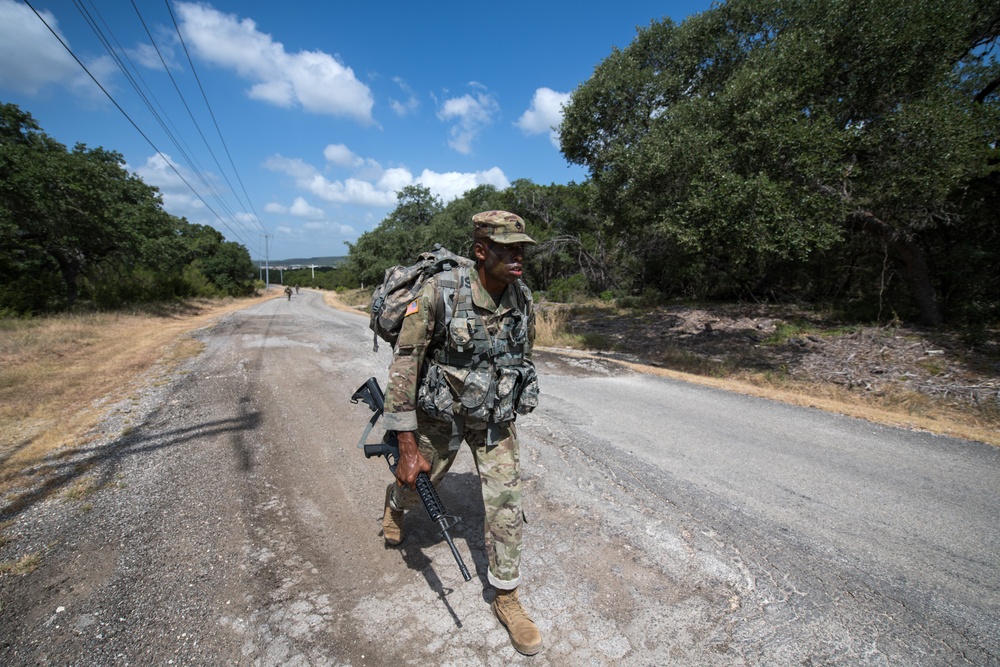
(233, 522)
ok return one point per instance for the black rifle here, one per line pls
(372, 395)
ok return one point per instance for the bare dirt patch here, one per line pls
(944, 381)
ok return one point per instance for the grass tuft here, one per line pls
(81, 490)
(551, 329)
(24, 565)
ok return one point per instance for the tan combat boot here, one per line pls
(524, 633)
(392, 521)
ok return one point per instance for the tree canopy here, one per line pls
(771, 134)
(76, 223)
(560, 219)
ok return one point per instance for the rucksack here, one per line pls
(399, 288)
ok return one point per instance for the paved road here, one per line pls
(668, 523)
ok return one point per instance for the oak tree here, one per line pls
(768, 130)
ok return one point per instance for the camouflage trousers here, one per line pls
(499, 468)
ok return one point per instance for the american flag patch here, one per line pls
(412, 308)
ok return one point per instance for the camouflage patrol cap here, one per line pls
(500, 227)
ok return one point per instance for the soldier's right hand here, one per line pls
(411, 461)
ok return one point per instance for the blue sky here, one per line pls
(325, 110)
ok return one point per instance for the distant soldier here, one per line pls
(296, 289)
(288, 291)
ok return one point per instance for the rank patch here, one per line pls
(412, 308)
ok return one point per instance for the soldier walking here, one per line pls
(474, 327)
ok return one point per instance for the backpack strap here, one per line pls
(449, 281)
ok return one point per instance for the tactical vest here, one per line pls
(471, 374)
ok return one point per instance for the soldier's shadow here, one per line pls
(461, 495)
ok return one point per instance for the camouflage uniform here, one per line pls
(494, 446)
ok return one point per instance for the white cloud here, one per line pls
(395, 179)
(181, 204)
(162, 171)
(301, 208)
(379, 192)
(545, 114)
(342, 156)
(348, 191)
(169, 177)
(471, 114)
(327, 226)
(453, 184)
(276, 208)
(409, 105)
(317, 81)
(32, 59)
(147, 56)
(294, 167)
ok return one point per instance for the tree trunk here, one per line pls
(918, 275)
(914, 260)
(69, 267)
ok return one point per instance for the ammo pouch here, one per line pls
(434, 395)
(527, 396)
(489, 393)
(478, 394)
(517, 392)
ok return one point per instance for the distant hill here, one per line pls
(306, 261)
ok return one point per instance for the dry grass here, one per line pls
(551, 330)
(24, 565)
(351, 300)
(55, 372)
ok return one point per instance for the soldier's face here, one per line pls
(502, 263)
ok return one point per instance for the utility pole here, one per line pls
(267, 266)
(313, 267)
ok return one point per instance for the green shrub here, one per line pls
(650, 297)
(199, 284)
(569, 289)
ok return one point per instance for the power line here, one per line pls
(132, 122)
(161, 116)
(185, 152)
(186, 106)
(212, 114)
